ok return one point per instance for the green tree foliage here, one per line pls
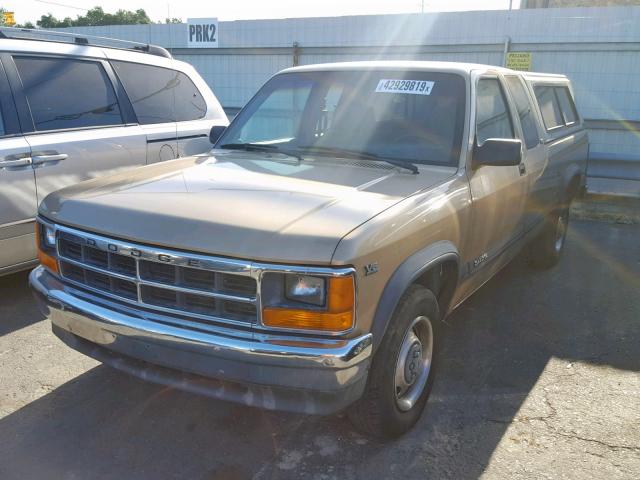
(96, 16)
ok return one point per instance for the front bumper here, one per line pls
(307, 375)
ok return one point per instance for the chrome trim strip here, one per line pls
(19, 222)
(195, 291)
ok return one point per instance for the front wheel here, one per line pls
(402, 369)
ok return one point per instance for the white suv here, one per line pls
(73, 107)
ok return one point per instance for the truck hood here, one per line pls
(258, 206)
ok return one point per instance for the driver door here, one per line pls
(498, 192)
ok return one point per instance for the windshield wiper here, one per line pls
(261, 147)
(407, 165)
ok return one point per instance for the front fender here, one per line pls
(406, 274)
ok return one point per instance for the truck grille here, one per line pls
(205, 289)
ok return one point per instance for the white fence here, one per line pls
(598, 48)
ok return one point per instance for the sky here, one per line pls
(31, 10)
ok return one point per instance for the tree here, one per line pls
(96, 16)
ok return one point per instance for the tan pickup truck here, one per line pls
(306, 263)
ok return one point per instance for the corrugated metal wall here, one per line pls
(598, 48)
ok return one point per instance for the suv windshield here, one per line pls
(408, 116)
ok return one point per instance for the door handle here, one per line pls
(18, 162)
(55, 157)
(522, 169)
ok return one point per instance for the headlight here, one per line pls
(306, 289)
(49, 237)
(46, 244)
(308, 302)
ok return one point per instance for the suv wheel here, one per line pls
(402, 369)
(544, 251)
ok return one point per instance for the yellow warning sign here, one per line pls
(519, 61)
(9, 19)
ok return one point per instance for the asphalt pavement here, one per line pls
(539, 378)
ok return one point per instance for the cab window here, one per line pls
(549, 107)
(525, 111)
(566, 105)
(492, 113)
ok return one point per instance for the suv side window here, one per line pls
(189, 102)
(566, 105)
(492, 114)
(66, 93)
(549, 106)
(525, 112)
(2, 130)
(160, 95)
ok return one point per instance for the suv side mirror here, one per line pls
(216, 132)
(500, 152)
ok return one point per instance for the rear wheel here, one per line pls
(545, 251)
(402, 369)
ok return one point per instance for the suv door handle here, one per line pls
(18, 162)
(522, 168)
(56, 157)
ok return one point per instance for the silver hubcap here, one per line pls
(413, 363)
(561, 229)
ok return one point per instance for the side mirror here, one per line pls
(216, 132)
(500, 152)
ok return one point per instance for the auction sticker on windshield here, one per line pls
(414, 87)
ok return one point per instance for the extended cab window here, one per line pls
(400, 115)
(549, 106)
(525, 111)
(492, 114)
(566, 105)
(67, 93)
(160, 95)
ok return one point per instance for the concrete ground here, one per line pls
(539, 378)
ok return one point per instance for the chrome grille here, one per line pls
(205, 289)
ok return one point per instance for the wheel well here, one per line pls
(441, 279)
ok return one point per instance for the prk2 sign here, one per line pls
(202, 33)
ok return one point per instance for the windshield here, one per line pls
(414, 116)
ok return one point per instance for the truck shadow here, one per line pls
(104, 424)
(16, 308)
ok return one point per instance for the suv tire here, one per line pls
(544, 252)
(402, 370)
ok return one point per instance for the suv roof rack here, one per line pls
(43, 35)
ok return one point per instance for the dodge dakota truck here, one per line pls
(307, 261)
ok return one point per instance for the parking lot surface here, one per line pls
(539, 378)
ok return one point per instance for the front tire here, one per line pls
(402, 370)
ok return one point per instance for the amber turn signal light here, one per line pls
(337, 317)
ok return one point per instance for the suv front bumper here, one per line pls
(306, 375)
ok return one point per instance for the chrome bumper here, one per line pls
(309, 375)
